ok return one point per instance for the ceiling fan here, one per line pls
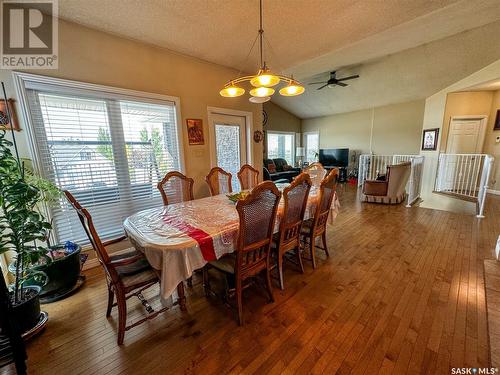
(333, 81)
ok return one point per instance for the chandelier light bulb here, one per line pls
(261, 92)
(232, 91)
(293, 89)
(265, 79)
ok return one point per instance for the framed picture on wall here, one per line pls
(497, 121)
(195, 131)
(4, 118)
(430, 139)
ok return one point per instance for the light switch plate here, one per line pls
(497, 139)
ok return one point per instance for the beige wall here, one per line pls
(91, 56)
(396, 129)
(280, 119)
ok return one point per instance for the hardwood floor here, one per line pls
(492, 283)
(403, 292)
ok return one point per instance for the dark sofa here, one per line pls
(283, 170)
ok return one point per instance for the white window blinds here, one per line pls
(108, 150)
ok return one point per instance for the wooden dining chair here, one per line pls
(317, 172)
(219, 181)
(257, 214)
(248, 177)
(316, 226)
(128, 273)
(176, 187)
(288, 239)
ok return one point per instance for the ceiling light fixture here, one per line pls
(263, 80)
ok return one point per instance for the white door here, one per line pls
(465, 136)
(229, 144)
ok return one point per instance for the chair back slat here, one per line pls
(219, 181)
(248, 177)
(295, 202)
(325, 198)
(257, 213)
(95, 240)
(175, 188)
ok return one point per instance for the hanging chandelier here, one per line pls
(264, 81)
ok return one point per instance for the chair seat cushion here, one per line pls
(225, 263)
(133, 268)
(143, 277)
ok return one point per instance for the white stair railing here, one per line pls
(465, 176)
(370, 166)
(484, 183)
(415, 181)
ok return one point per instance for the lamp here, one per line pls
(300, 152)
(264, 79)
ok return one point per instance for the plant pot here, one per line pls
(62, 275)
(26, 314)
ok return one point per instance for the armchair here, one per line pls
(392, 189)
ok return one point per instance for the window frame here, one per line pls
(21, 80)
(294, 143)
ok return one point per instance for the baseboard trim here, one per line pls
(495, 192)
(91, 263)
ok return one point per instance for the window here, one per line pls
(281, 145)
(311, 145)
(108, 149)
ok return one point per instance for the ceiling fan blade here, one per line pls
(341, 84)
(319, 88)
(346, 78)
(316, 83)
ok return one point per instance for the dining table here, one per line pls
(179, 238)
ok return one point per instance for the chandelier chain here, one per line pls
(261, 36)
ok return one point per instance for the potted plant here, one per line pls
(23, 229)
(63, 270)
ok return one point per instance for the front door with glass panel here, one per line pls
(229, 151)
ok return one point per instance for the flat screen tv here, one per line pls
(334, 157)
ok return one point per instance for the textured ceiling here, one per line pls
(222, 31)
(308, 37)
(411, 74)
